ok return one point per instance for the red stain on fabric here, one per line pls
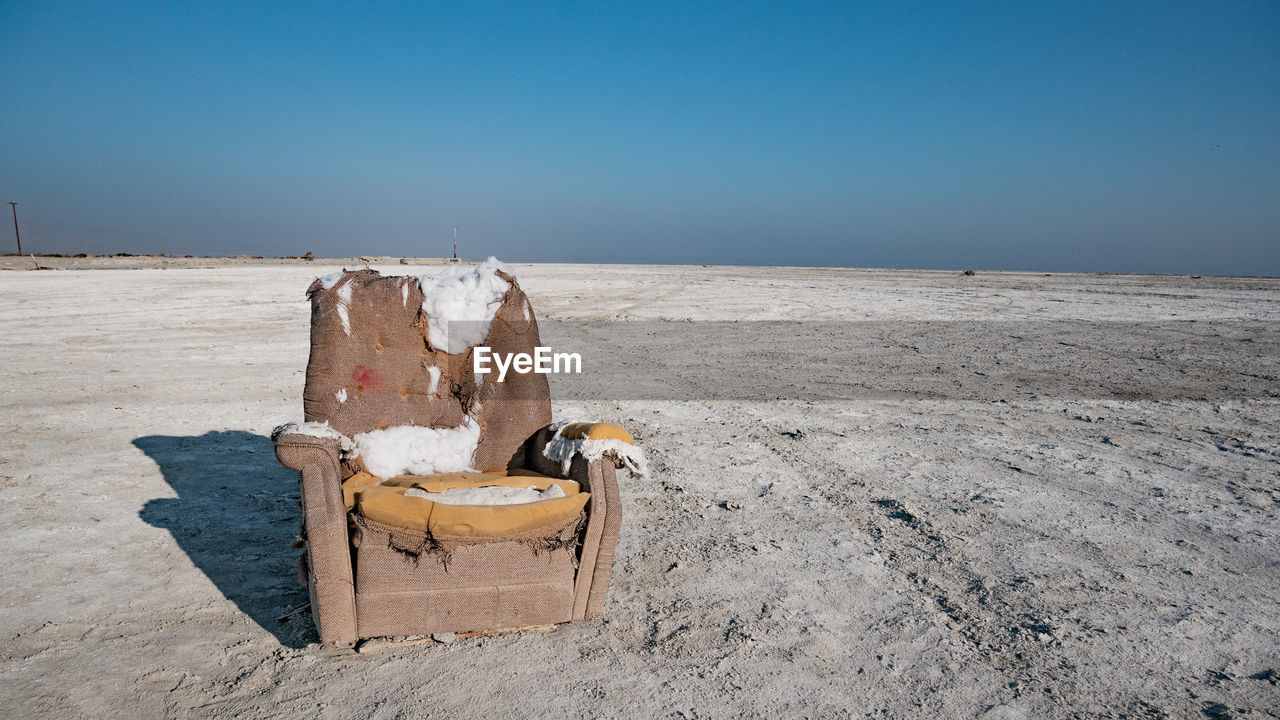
(368, 378)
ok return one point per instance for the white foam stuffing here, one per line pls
(413, 450)
(561, 449)
(470, 299)
(341, 395)
(344, 303)
(489, 495)
(434, 372)
(328, 281)
(314, 429)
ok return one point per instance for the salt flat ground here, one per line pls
(1048, 545)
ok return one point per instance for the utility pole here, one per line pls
(18, 237)
(455, 244)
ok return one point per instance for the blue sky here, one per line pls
(1049, 136)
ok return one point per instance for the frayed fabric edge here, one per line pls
(416, 544)
(351, 448)
(561, 450)
(314, 429)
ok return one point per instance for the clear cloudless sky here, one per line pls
(1097, 136)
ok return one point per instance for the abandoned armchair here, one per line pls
(434, 499)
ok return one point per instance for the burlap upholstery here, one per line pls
(493, 607)
(369, 580)
(393, 559)
(378, 364)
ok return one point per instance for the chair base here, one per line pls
(464, 610)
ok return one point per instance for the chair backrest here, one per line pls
(372, 366)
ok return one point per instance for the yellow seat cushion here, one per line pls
(444, 481)
(596, 431)
(389, 505)
(504, 520)
(521, 472)
(354, 485)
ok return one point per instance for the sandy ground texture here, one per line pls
(1090, 534)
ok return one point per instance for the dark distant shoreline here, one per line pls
(140, 261)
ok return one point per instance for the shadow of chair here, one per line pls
(235, 516)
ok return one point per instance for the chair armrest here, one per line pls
(604, 524)
(533, 455)
(604, 518)
(293, 450)
(328, 543)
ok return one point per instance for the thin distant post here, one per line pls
(455, 243)
(16, 236)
